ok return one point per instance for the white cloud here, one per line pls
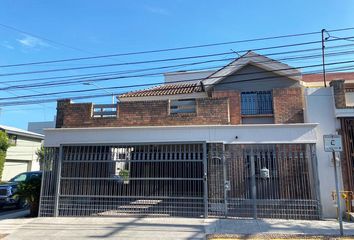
(157, 10)
(32, 42)
(7, 45)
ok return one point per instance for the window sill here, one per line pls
(256, 115)
(183, 114)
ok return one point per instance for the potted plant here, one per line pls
(124, 174)
(29, 191)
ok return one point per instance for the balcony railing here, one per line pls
(257, 103)
(104, 110)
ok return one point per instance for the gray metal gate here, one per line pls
(265, 181)
(111, 180)
(232, 180)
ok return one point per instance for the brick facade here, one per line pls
(339, 93)
(222, 108)
(288, 105)
(235, 104)
(147, 113)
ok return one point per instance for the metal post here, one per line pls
(225, 180)
(205, 169)
(253, 184)
(337, 192)
(58, 175)
(323, 58)
(314, 167)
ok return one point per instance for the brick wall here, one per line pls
(222, 108)
(288, 105)
(235, 104)
(147, 113)
(339, 93)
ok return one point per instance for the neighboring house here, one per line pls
(340, 96)
(343, 91)
(234, 142)
(38, 127)
(21, 155)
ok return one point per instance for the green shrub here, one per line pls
(4, 145)
(30, 191)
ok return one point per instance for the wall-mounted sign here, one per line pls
(332, 143)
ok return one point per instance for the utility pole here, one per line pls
(323, 57)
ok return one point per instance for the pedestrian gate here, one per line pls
(189, 179)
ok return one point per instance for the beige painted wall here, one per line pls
(20, 156)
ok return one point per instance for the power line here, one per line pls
(83, 76)
(66, 83)
(43, 38)
(151, 61)
(78, 81)
(158, 50)
(30, 102)
(151, 84)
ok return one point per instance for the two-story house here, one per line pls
(231, 142)
(21, 155)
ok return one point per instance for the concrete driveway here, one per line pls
(159, 228)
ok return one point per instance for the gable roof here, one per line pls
(217, 76)
(21, 132)
(166, 89)
(256, 60)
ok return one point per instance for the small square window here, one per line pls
(182, 106)
(12, 140)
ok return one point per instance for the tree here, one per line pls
(40, 156)
(4, 145)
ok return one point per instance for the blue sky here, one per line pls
(67, 29)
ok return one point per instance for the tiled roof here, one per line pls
(329, 77)
(166, 89)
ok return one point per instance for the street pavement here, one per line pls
(159, 228)
(7, 213)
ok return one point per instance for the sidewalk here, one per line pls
(160, 228)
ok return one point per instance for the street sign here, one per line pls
(332, 143)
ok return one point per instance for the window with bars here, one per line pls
(256, 103)
(183, 106)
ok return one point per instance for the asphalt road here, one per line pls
(10, 212)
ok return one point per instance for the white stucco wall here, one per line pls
(319, 108)
(242, 134)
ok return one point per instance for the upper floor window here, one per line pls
(256, 103)
(183, 106)
(12, 140)
(349, 97)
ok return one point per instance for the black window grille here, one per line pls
(256, 103)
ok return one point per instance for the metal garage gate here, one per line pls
(111, 180)
(194, 179)
(263, 181)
